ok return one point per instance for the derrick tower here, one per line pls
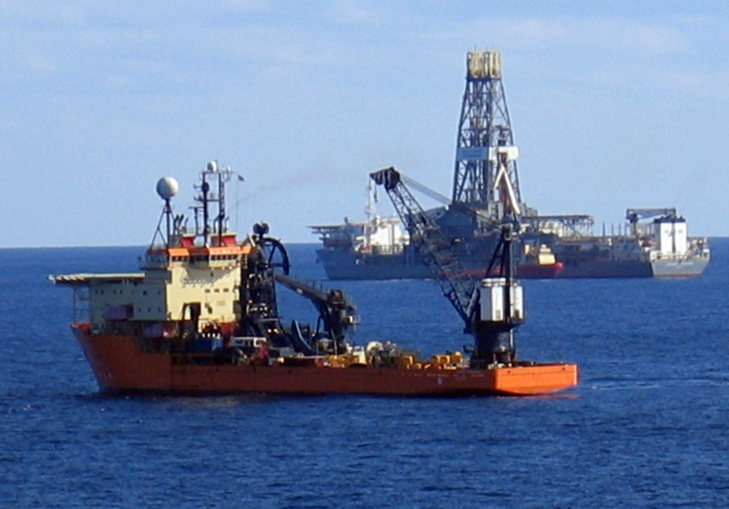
(485, 139)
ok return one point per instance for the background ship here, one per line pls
(659, 247)
(486, 194)
(379, 248)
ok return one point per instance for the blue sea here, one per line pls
(648, 425)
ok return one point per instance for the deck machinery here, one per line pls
(491, 310)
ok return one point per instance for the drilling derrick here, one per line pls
(485, 139)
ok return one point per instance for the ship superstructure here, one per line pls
(202, 317)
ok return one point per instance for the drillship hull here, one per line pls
(342, 264)
(120, 366)
(347, 265)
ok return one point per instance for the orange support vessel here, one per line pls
(202, 318)
(119, 366)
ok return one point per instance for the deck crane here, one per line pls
(492, 308)
(635, 215)
(336, 312)
(260, 315)
(431, 243)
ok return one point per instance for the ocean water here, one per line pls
(648, 426)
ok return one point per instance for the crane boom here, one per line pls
(414, 184)
(635, 215)
(491, 308)
(335, 310)
(462, 208)
(455, 282)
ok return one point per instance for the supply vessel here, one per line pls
(485, 193)
(654, 242)
(202, 317)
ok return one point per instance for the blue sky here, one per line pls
(613, 104)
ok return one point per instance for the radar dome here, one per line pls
(213, 166)
(167, 187)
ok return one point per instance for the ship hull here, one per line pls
(345, 265)
(340, 265)
(679, 268)
(692, 267)
(606, 269)
(119, 366)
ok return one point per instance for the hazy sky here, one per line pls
(614, 104)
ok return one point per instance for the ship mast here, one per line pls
(167, 188)
(207, 196)
(485, 142)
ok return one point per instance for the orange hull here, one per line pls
(119, 366)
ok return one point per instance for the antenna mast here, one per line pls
(207, 197)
